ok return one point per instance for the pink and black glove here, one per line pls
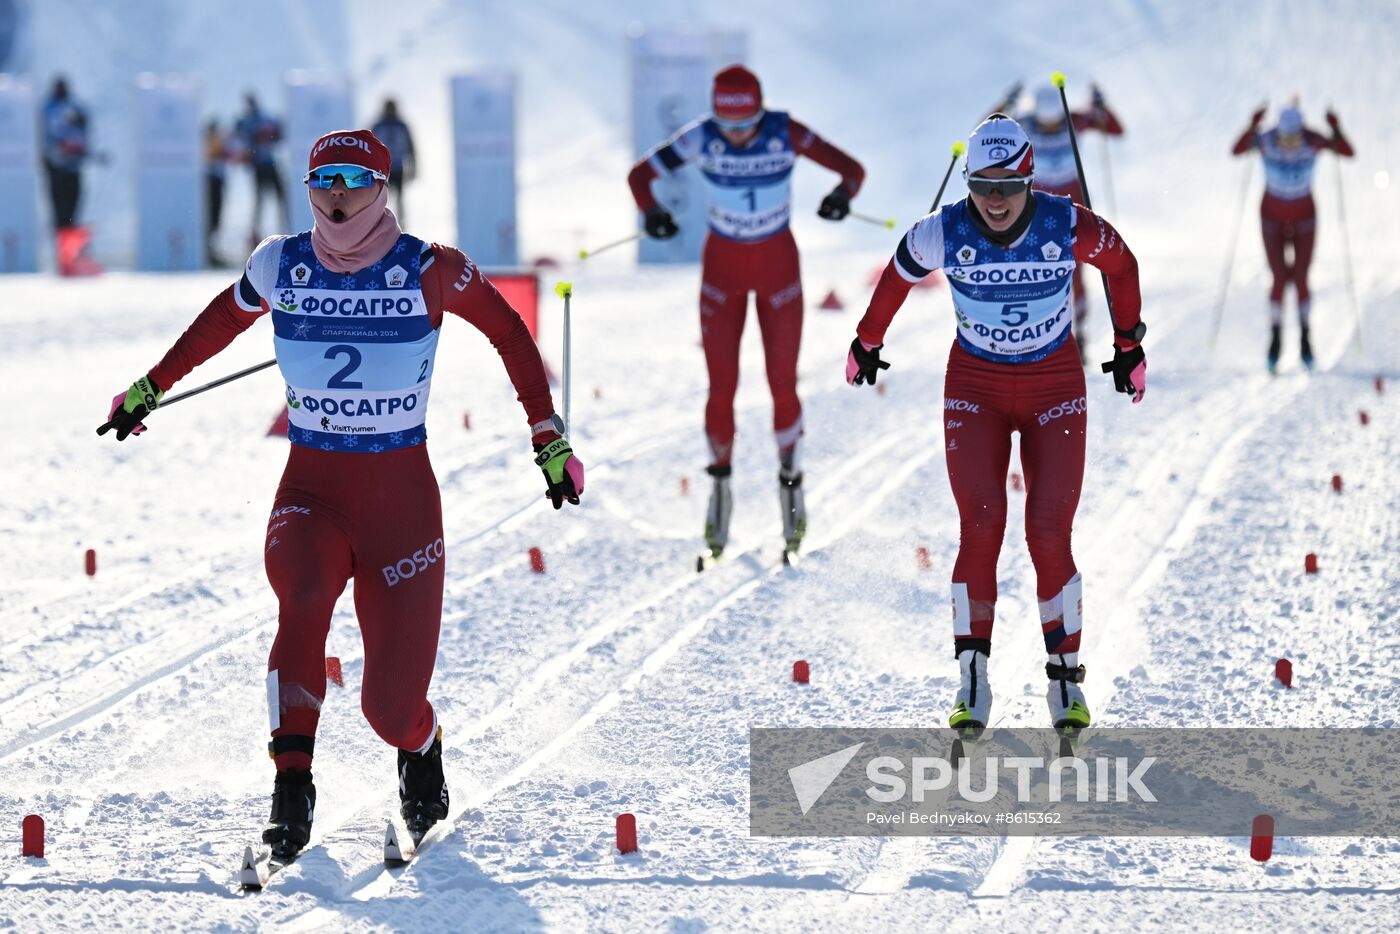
(863, 363)
(130, 407)
(563, 473)
(1129, 369)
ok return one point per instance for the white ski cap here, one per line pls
(1290, 120)
(1048, 108)
(999, 143)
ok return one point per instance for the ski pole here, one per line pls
(565, 290)
(1058, 79)
(1346, 255)
(218, 382)
(585, 254)
(887, 223)
(1229, 259)
(958, 149)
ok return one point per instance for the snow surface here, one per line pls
(132, 706)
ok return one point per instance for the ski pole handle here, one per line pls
(586, 254)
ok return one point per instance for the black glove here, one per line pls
(862, 366)
(660, 224)
(836, 205)
(129, 408)
(1127, 366)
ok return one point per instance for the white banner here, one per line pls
(19, 179)
(169, 174)
(316, 104)
(672, 72)
(483, 142)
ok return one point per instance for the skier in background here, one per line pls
(358, 499)
(66, 149)
(746, 154)
(215, 174)
(1008, 253)
(257, 134)
(1287, 215)
(395, 134)
(1055, 171)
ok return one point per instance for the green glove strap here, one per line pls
(142, 392)
(552, 458)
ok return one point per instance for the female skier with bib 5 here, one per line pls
(1009, 254)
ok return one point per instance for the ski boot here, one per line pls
(717, 516)
(1275, 348)
(1306, 349)
(1069, 713)
(973, 704)
(794, 511)
(293, 806)
(422, 789)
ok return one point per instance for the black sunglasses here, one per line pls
(1006, 187)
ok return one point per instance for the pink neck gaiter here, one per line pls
(354, 244)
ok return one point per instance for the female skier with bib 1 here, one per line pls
(356, 308)
(1009, 254)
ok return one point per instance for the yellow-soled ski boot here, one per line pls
(972, 706)
(1069, 712)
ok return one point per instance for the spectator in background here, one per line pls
(215, 171)
(394, 134)
(65, 139)
(257, 134)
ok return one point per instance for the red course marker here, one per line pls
(801, 673)
(536, 560)
(90, 562)
(597, 392)
(333, 673)
(1261, 843)
(1283, 671)
(832, 302)
(1337, 482)
(1310, 563)
(32, 834)
(467, 420)
(922, 554)
(1365, 419)
(1380, 384)
(1015, 481)
(626, 833)
(685, 486)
